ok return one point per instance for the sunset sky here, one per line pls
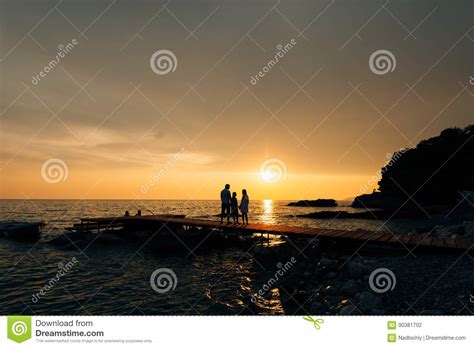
(320, 115)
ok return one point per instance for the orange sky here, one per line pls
(324, 121)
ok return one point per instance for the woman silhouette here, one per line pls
(244, 207)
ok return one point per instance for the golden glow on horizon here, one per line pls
(177, 183)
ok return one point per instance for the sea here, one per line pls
(116, 279)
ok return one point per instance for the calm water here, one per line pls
(115, 279)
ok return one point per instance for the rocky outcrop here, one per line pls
(433, 173)
(314, 203)
(373, 200)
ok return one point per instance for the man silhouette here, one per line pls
(225, 203)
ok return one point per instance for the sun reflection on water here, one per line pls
(268, 216)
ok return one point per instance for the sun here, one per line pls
(267, 176)
(273, 170)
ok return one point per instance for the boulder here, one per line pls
(443, 231)
(373, 200)
(319, 307)
(468, 228)
(356, 270)
(331, 275)
(350, 288)
(329, 290)
(350, 310)
(369, 301)
(327, 262)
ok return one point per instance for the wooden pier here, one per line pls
(411, 242)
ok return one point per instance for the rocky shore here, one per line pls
(323, 282)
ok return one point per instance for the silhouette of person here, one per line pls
(225, 203)
(234, 206)
(244, 207)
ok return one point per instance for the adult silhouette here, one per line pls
(225, 203)
(244, 207)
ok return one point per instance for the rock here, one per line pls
(331, 275)
(329, 290)
(319, 307)
(369, 301)
(468, 228)
(320, 272)
(349, 288)
(350, 310)
(314, 203)
(440, 231)
(445, 231)
(373, 200)
(326, 262)
(356, 270)
(345, 302)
